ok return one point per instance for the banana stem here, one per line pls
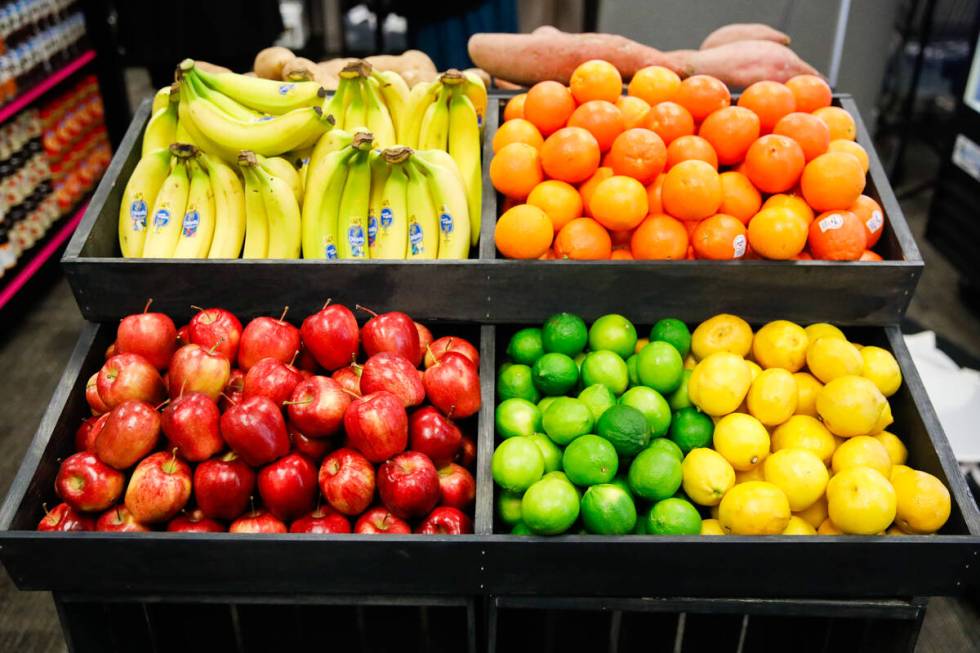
(397, 155)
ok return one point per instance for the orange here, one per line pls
(548, 106)
(792, 202)
(839, 121)
(720, 237)
(871, 216)
(654, 84)
(659, 237)
(730, 131)
(843, 145)
(777, 233)
(691, 190)
(570, 154)
(515, 107)
(774, 163)
(770, 101)
(634, 111)
(619, 203)
(596, 80)
(810, 132)
(654, 189)
(523, 232)
(621, 255)
(558, 199)
(588, 187)
(686, 148)
(515, 170)
(583, 239)
(868, 255)
(670, 120)
(621, 238)
(811, 92)
(739, 198)
(637, 153)
(837, 236)
(689, 227)
(832, 181)
(602, 119)
(702, 94)
(517, 130)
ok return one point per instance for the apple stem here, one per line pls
(284, 311)
(428, 350)
(351, 393)
(298, 403)
(45, 507)
(118, 514)
(366, 310)
(162, 404)
(327, 303)
(251, 502)
(197, 308)
(148, 302)
(295, 356)
(233, 402)
(214, 347)
(173, 461)
(452, 409)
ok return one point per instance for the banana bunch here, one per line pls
(272, 207)
(374, 100)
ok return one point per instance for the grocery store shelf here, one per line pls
(36, 91)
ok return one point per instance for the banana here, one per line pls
(229, 207)
(187, 131)
(280, 167)
(476, 91)
(434, 129)
(420, 97)
(379, 174)
(265, 95)
(336, 105)
(378, 119)
(423, 220)
(464, 148)
(324, 183)
(161, 99)
(356, 113)
(352, 225)
(197, 227)
(392, 239)
(232, 108)
(168, 208)
(394, 92)
(449, 195)
(256, 221)
(282, 212)
(138, 199)
(161, 130)
(181, 135)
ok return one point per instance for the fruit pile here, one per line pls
(215, 427)
(276, 176)
(675, 170)
(717, 432)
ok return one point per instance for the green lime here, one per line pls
(526, 346)
(509, 507)
(520, 528)
(668, 446)
(579, 359)
(564, 333)
(660, 367)
(517, 417)
(680, 399)
(550, 506)
(566, 419)
(626, 428)
(517, 463)
(673, 332)
(549, 451)
(554, 374)
(516, 381)
(654, 474)
(589, 460)
(634, 376)
(653, 406)
(598, 398)
(691, 429)
(544, 403)
(557, 474)
(608, 510)
(605, 367)
(613, 332)
(621, 481)
(673, 517)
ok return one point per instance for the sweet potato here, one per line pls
(743, 32)
(741, 63)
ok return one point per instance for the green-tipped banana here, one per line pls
(161, 130)
(392, 239)
(449, 195)
(356, 113)
(161, 99)
(265, 95)
(168, 209)
(229, 207)
(280, 167)
(423, 219)
(434, 130)
(324, 183)
(232, 108)
(379, 174)
(421, 96)
(464, 147)
(352, 224)
(197, 227)
(379, 119)
(336, 104)
(256, 221)
(394, 92)
(282, 212)
(138, 199)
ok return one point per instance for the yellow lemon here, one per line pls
(722, 332)
(828, 527)
(706, 476)
(816, 513)
(884, 420)
(832, 358)
(823, 330)
(711, 527)
(754, 369)
(851, 405)
(923, 502)
(772, 396)
(780, 344)
(898, 469)
(754, 508)
(882, 368)
(719, 383)
(807, 388)
(895, 530)
(799, 474)
(862, 451)
(742, 440)
(754, 474)
(805, 432)
(798, 526)
(690, 362)
(894, 446)
(640, 344)
(861, 501)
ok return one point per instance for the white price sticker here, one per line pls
(738, 244)
(832, 221)
(875, 222)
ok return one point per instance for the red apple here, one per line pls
(196, 369)
(190, 422)
(322, 520)
(194, 521)
(88, 431)
(377, 426)
(349, 379)
(394, 332)
(288, 486)
(183, 336)
(266, 337)
(313, 448)
(218, 329)
(65, 518)
(331, 336)
(223, 486)
(256, 430)
(457, 487)
(95, 402)
(393, 372)
(347, 481)
(467, 452)
(87, 484)
(452, 384)
(409, 484)
(129, 376)
(159, 487)
(433, 434)
(451, 343)
(306, 362)
(425, 336)
(446, 520)
(271, 378)
(317, 406)
(118, 519)
(131, 431)
(378, 521)
(151, 335)
(233, 390)
(257, 521)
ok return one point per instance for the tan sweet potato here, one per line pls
(743, 32)
(741, 63)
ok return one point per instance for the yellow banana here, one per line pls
(232, 108)
(352, 219)
(181, 135)
(197, 227)
(392, 239)
(168, 208)
(464, 147)
(394, 92)
(280, 167)
(282, 212)
(423, 220)
(356, 113)
(161, 130)
(161, 99)
(256, 221)
(265, 95)
(378, 119)
(138, 199)
(434, 130)
(420, 97)
(476, 91)
(379, 174)
(327, 164)
(187, 131)
(229, 208)
(449, 195)
(336, 105)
